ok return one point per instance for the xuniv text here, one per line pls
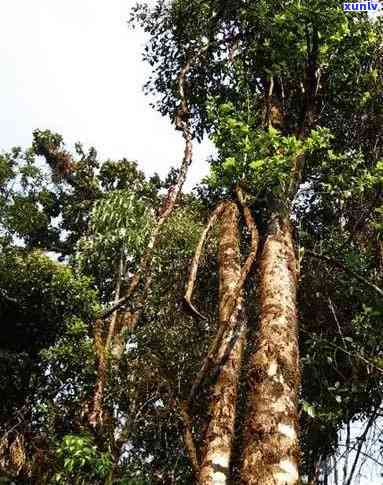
(363, 6)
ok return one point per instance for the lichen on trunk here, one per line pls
(271, 446)
(215, 468)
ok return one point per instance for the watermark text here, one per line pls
(363, 6)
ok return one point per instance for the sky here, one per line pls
(75, 67)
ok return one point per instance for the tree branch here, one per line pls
(172, 195)
(351, 354)
(102, 350)
(361, 441)
(232, 300)
(340, 265)
(197, 256)
(188, 438)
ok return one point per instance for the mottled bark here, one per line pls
(189, 438)
(215, 467)
(271, 446)
(229, 300)
(96, 414)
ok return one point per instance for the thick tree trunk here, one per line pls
(271, 446)
(215, 467)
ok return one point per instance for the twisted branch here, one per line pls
(231, 301)
(197, 256)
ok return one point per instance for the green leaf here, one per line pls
(309, 409)
(257, 164)
(229, 163)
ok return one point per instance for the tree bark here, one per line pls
(215, 468)
(271, 447)
(102, 350)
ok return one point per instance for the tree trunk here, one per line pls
(102, 351)
(271, 446)
(215, 468)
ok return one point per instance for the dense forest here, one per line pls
(229, 335)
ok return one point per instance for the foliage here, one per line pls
(80, 461)
(256, 158)
(119, 226)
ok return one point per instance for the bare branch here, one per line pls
(361, 441)
(188, 438)
(345, 466)
(197, 256)
(102, 350)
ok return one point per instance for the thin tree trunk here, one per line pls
(230, 300)
(345, 465)
(102, 351)
(271, 446)
(143, 272)
(335, 468)
(215, 468)
(183, 124)
(361, 441)
(114, 339)
(189, 438)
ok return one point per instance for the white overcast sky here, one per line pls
(74, 66)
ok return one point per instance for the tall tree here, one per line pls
(284, 82)
(271, 453)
